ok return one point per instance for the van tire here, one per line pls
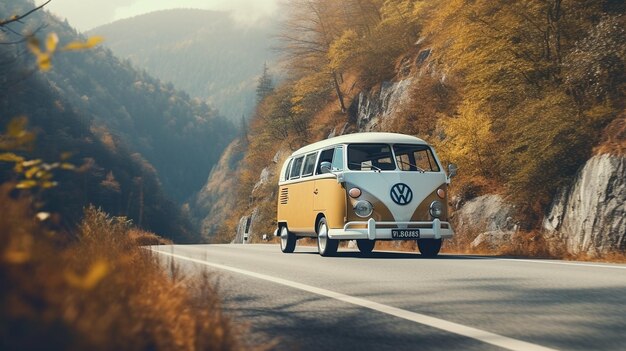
(287, 240)
(366, 246)
(429, 247)
(325, 246)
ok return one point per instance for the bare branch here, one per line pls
(17, 18)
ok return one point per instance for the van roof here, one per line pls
(369, 137)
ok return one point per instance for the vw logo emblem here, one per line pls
(401, 194)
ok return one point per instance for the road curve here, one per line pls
(396, 301)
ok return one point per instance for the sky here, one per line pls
(87, 14)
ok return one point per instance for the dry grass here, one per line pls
(529, 244)
(613, 138)
(98, 292)
(143, 238)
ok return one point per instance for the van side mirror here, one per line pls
(326, 167)
(452, 170)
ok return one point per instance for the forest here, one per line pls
(518, 94)
(146, 146)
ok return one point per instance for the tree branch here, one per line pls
(17, 18)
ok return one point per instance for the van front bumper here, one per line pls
(373, 230)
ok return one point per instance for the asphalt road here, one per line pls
(401, 301)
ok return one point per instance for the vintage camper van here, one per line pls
(364, 187)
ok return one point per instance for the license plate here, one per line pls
(405, 233)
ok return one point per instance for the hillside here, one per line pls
(138, 135)
(179, 136)
(517, 94)
(205, 53)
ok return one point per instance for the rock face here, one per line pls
(370, 107)
(491, 216)
(590, 215)
(244, 228)
(215, 200)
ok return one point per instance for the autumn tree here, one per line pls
(306, 37)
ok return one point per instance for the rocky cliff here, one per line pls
(216, 199)
(488, 221)
(370, 108)
(589, 216)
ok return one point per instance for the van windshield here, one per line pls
(370, 157)
(378, 157)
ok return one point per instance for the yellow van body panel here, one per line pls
(297, 210)
(330, 199)
(300, 202)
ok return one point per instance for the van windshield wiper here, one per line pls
(377, 169)
(418, 168)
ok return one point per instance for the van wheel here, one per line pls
(365, 245)
(287, 240)
(325, 246)
(429, 247)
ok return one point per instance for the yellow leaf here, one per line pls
(68, 166)
(48, 184)
(31, 163)
(26, 184)
(44, 61)
(96, 273)
(10, 157)
(77, 45)
(51, 42)
(31, 172)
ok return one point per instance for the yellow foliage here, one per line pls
(98, 270)
(309, 91)
(35, 173)
(44, 57)
(10, 157)
(343, 50)
(88, 44)
(468, 141)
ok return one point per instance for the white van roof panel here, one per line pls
(370, 137)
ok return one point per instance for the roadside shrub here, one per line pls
(98, 292)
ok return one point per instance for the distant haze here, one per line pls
(205, 53)
(88, 14)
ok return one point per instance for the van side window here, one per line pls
(325, 156)
(338, 159)
(309, 165)
(296, 167)
(287, 169)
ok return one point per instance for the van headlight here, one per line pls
(363, 208)
(436, 209)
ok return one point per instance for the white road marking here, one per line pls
(548, 262)
(477, 334)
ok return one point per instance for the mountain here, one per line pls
(180, 136)
(146, 141)
(205, 53)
